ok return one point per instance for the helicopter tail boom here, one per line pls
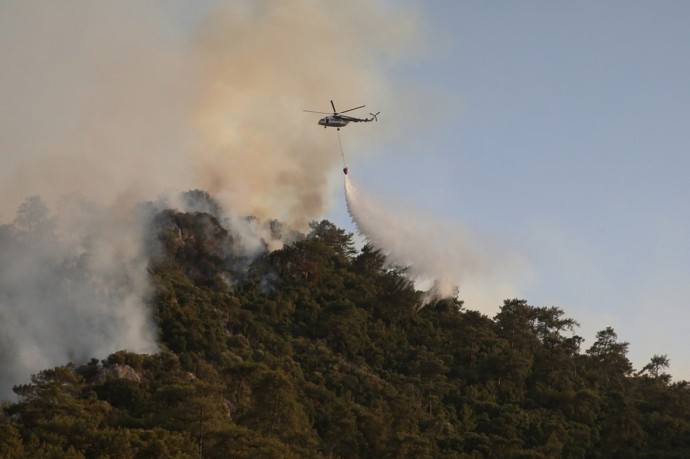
(373, 117)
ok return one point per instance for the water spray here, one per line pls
(438, 256)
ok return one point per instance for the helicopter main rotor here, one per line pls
(336, 112)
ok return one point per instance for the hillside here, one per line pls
(321, 350)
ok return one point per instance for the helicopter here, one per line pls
(338, 120)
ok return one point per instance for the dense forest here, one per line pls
(323, 350)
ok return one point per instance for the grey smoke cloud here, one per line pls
(95, 98)
(72, 287)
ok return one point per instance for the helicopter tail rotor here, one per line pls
(373, 116)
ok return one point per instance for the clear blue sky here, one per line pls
(564, 132)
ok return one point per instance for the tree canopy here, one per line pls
(321, 350)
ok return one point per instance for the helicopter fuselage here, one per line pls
(333, 121)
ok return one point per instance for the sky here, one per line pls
(562, 132)
(545, 143)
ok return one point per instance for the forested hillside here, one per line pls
(321, 350)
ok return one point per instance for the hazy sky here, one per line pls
(551, 135)
(563, 132)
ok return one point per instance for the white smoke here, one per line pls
(445, 258)
(72, 287)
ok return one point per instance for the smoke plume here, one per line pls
(114, 101)
(285, 57)
(447, 259)
(72, 287)
(118, 102)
